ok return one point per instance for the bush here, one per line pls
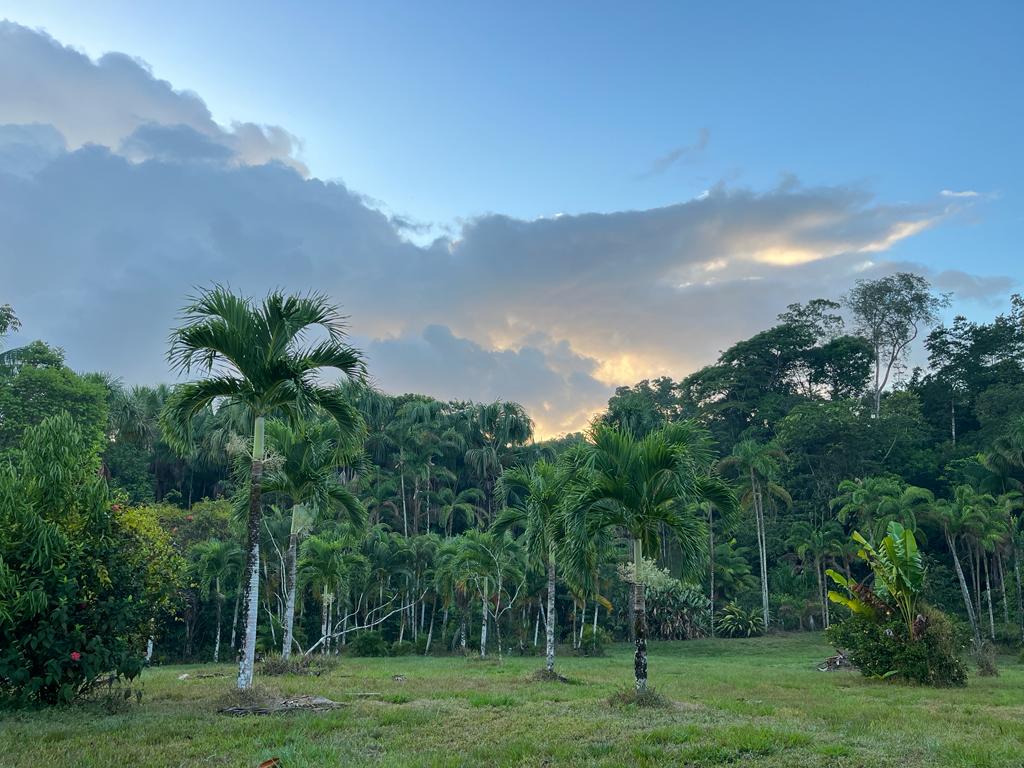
(403, 648)
(737, 622)
(315, 665)
(420, 645)
(368, 644)
(593, 643)
(884, 650)
(82, 581)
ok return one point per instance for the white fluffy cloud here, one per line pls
(119, 194)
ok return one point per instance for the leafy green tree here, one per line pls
(257, 356)
(82, 581)
(890, 312)
(873, 502)
(38, 385)
(643, 487)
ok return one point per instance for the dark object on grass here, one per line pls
(274, 762)
(645, 699)
(837, 662)
(277, 706)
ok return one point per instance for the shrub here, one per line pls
(82, 581)
(737, 622)
(368, 644)
(315, 665)
(885, 650)
(403, 648)
(420, 645)
(593, 643)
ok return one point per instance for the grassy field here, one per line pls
(757, 702)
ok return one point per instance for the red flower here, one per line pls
(75, 655)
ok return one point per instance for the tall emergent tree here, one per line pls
(890, 313)
(259, 356)
(642, 487)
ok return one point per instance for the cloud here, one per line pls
(106, 101)
(103, 240)
(964, 193)
(682, 153)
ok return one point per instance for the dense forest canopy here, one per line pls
(301, 511)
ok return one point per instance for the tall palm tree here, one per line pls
(533, 498)
(214, 562)
(756, 466)
(323, 567)
(306, 476)
(491, 431)
(642, 487)
(956, 518)
(257, 355)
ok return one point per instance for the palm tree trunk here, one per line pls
(405, 514)
(988, 597)
(483, 626)
(549, 630)
(1020, 594)
(251, 597)
(323, 623)
(639, 622)
(289, 607)
(821, 592)
(593, 631)
(220, 602)
(1002, 588)
(711, 568)
(430, 630)
(968, 603)
(536, 625)
(762, 548)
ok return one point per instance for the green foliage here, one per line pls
(81, 580)
(885, 649)
(593, 643)
(368, 644)
(898, 569)
(735, 621)
(40, 385)
(402, 648)
(676, 610)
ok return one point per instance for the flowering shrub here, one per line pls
(80, 580)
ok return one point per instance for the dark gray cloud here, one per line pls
(680, 154)
(101, 240)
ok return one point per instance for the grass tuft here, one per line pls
(630, 697)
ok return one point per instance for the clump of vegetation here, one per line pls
(368, 644)
(593, 642)
(889, 634)
(648, 698)
(402, 648)
(985, 658)
(735, 621)
(314, 665)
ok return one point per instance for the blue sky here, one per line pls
(826, 134)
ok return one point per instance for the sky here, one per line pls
(519, 201)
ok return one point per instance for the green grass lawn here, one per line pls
(757, 702)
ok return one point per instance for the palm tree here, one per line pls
(256, 356)
(307, 477)
(465, 504)
(215, 561)
(491, 431)
(956, 518)
(874, 502)
(536, 494)
(323, 568)
(816, 546)
(756, 465)
(642, 487)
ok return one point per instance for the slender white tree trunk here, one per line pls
(968, 603)
(639, 622)
(289, 606)
(988, 599)
(220, 603)
(251, 598)
(234, 615)
(549, 630)
(763, 549)
(430, 629)
(149, 649)
(483, 627)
